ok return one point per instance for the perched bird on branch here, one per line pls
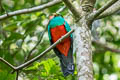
(57, 27)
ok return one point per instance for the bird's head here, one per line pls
(53, 15)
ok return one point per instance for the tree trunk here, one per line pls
(82, 39)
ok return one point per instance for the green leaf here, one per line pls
(11, 27)
(5, 75)
(15, 36)
(30, 26)
(12, 38)
(53, 9)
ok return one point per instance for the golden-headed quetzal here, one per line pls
(57, 27)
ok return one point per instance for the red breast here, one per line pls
(57, 33)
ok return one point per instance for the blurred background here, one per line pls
(21, 35)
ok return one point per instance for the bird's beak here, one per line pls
(50, 17)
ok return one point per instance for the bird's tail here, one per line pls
(67, 63)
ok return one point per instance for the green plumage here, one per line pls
(57, 21)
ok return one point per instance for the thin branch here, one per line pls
(39, 56)
(4, 9)
(110, 11)
(14, 54)
(29, 10)
(93, 15)
(41, 36)
(50, 48)
(20, 47)
(106, 46)
(44, 52)
(2, 32)
(7, 63)
(72, 9)
(61, 9)
(17, 74)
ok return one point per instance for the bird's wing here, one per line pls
(67, 27)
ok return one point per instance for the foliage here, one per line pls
(19, 34)
(46, 70)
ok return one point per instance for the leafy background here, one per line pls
(19, 34)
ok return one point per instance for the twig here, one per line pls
(44, 52)
(17, 74)
(106, 46)
(93, 15)
(110, 11)
(4, 8)
(37, 57)
(61, 9)
(51, 47)
(19, 47)
(7, 63)
(2, 32)
(29, 10)
(72, 9)
(41, 36)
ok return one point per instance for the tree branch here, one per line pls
(93, 15)
(20, 48)
(51, 47)
(29, 10)
(39, 56)
(72, 9)
(7, 63)
(61, 9)
(44, 52)
(110, 11)
(17, 74)
(41, 36)
(106, 46)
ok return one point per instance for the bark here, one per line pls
(72, 9)
(110, 11)
(83, 42)
(82, 39)
(105, 46)
(29, 10)
(102, 9)
(82, 35)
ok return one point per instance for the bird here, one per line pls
(57, 27)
